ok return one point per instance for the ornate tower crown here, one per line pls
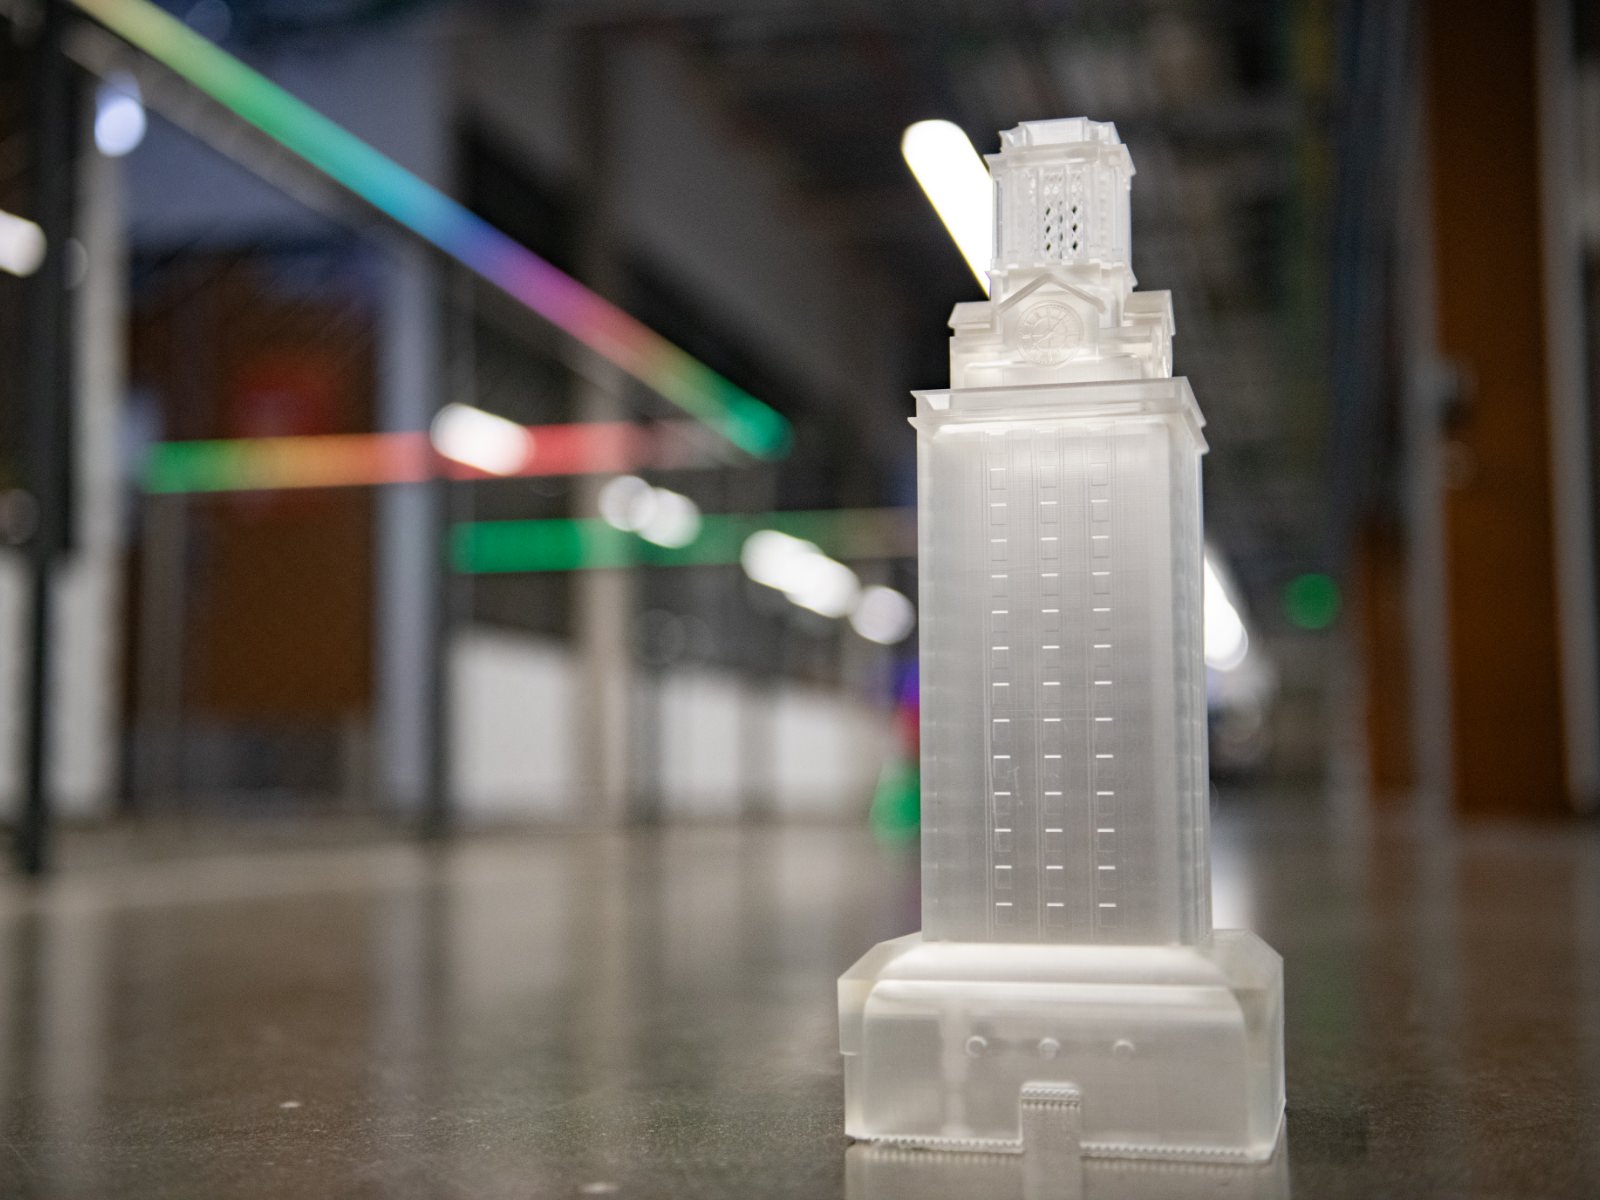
(1061, 197)
(1062, 308)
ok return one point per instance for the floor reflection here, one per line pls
(515, 1017)
(889, 1173)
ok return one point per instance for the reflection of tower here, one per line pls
(1067, 967)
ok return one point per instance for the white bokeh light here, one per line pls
(481, 440)
(801, 571)
(768, 557)
(1226, 639)
(884, 616)
(673, 520)
(626, 502)
(658, 515)
(22, 245)
(824, 586)
(119, 118)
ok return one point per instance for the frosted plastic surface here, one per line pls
(1067, 966)
(1061, 666)
(1167, 1051)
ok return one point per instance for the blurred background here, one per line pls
(266, 555)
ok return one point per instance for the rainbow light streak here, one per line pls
(446, 224)
(356, 459)
(499, 547)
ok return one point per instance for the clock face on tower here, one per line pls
(1051, 332)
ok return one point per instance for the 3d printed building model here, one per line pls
(1067, 988)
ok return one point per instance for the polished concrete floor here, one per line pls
(653, 1015)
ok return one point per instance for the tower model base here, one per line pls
(1109, 1051)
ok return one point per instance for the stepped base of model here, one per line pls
(1103, 1051)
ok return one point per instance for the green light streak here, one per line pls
(896, 813)
(195, 466)
(502, 547)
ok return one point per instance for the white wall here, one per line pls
(701, 755)
(513, 745)
(828, 752)
(512, 741)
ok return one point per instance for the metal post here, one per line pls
(449, 503)
(409, 600)
(438, 807)
(47, 397)
(606, 600)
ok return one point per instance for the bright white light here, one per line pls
(801, 571)
(119, 120)
(626, 503)
(884, 616)
(770, 557)
(942, 158)
(824, 586)
(1226, 640)
(673, 521)
(481, 440)
(21, 245)
(655, 514)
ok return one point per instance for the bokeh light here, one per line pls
(1312, 601)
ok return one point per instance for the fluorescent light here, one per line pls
(481, 440)
(119, 120)
(21, 244)
(674, 520)
(1226, 640)
(942, 158)
(884, 616)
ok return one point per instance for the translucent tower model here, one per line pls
(1067, 990)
